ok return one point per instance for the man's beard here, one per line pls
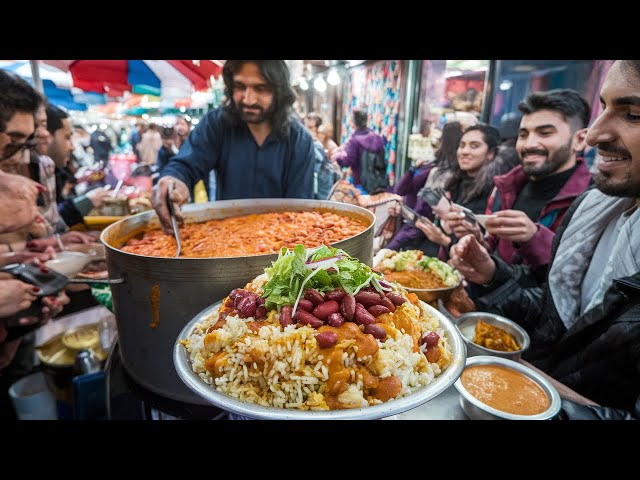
(260, 116)
(622, 188)
(551, 165)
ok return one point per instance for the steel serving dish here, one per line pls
(477, 410)
(467, 322)
(226, 402)
(157, 296)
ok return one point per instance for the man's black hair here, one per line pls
(565, 101)
(360, 118)
(16, 95)
(55, 115)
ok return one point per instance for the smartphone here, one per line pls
(469, 216)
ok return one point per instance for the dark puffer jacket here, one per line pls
(599, 356)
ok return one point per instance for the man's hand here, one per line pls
(18, 202)
(77, 237)
(460, 226)
(433, 233)
(512, 225)
(98, 196)
(472, 260)
(179, 197)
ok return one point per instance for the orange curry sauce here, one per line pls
(255, 234)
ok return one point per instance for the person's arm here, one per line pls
(405, 184)
(350, 155)
(199, 154)
(298, 182)
(537, 251)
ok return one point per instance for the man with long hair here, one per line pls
(583, 318)
(253, 143)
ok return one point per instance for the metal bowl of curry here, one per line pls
(490, 334)
(158, 294)
(494, 388)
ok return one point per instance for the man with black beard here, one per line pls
(530, 201)
(253, 142)
(583, 317)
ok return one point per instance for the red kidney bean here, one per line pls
(396, 298)
(305, 318)
(235, 293)
(305, 305)
(368, 298)
(376, 330)
(377, 310)
(285, 315)
(431, 339)
(337, 294)
(261, 301)
(335, 320)
(314, 296)
(348, 307)
(389, 304)
(325, 309)
(362, 317)
(261, 312)
(327, 339)
(246, 307)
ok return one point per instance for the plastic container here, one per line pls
(32, 400)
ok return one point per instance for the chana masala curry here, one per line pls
(494, 338)
(255, 234)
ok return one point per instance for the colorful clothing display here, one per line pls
(376, 87)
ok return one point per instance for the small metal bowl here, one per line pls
(477, 410)
(432, 295)
(467, 322)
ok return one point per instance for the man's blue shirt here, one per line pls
(279, 168)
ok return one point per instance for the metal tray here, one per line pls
(197, 385)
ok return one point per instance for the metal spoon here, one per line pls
(174, 223)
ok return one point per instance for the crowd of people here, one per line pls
(557, 253)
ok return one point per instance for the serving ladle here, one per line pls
(174, 222)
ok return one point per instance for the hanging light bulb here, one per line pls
(303, 84)
(333, 78)
(319, 84)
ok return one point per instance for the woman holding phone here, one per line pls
(470, 184)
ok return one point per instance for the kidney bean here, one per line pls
(368, 298)
(285, 315)
(389, 304)
(306, 318)
(314, 296)
(325, 309)
(261, 301)
(348, 307)
(246, 307)
(236, 293)
(396, 298)
(335, 320)
(376, 330)
(337, 294)
(377, 310)
(362, 317)
(327, 339)
(431, 339)
(305, 305)
(261, 312)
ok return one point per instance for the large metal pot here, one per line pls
(159, 295)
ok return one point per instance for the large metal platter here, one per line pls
(198, 386)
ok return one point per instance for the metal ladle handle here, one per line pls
(174, 223)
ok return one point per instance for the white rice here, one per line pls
(284, 367)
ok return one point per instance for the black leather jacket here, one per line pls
(599, 356)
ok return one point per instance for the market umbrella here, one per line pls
(168, 78)
(57, 85)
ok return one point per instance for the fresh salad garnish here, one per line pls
(323, 269)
